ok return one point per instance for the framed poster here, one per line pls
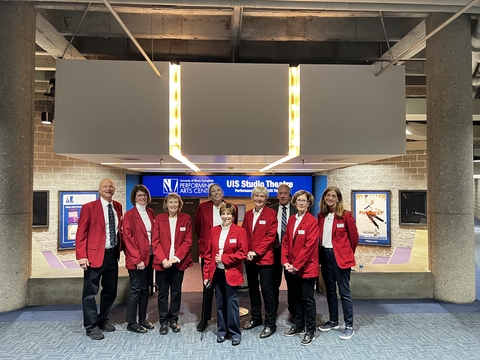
(371, 210)
(41, 204)
(70, 206)
(412, 207)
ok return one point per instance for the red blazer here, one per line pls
(91, 234)
(204, 223)
(234, 252)
(301, 249)
(263, 237)
(162, 239)
(137, 247)
(344, 238)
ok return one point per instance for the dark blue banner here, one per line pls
(233, 186)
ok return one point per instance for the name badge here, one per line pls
(262, 222)
(301, 232)
(233, 241)
(340, 225)
(183, 229)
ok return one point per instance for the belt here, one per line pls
(324, 248)
(108, 251)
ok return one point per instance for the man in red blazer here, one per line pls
(261, 225)
(98, 249)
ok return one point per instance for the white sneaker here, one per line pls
(347, 333)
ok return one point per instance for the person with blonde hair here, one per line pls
(172, 244)
(338, 241)
(261, 225)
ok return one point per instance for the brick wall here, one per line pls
(58, 173)
(408, 172)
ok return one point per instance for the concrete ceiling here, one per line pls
(269, 31)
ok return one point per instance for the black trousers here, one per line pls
(107, 274)
(169, 281)
(333, 276)
(207, 299)
(265, 273)
(138, 299)
(303, 290)
(277, 281)
(228, 316)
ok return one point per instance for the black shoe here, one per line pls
(147, 325)
(294, 331)
(95, 334)
(308, 339)
(267, 331)
(236, 341)
(202, 325)
(106, 326)
(175, 327)
(136, 328)
(163, 329)
(221, 339)
(251, 324)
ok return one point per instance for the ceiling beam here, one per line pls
(52, 41)
(236, 25)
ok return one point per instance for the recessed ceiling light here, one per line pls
(127, 158)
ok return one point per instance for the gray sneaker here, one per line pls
(328, 326)
(347, 333)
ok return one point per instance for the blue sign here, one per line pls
(233, 186)
(70, 203)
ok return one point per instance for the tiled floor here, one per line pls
(386, 329)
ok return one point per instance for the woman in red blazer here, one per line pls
(261, 226)
(338, 241)
(208, 216)
(172, 243)
(300, 260)
(137, 236)
(223, 268)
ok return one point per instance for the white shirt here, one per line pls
(217, 220)
(173, 226)
(256, 215)
(142, 209)
(328, 231)
(279, 219)
(221, 244)
(105, 216)
(298, 219)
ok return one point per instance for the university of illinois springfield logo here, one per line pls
(170, 185)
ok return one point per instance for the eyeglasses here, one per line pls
(302, 201)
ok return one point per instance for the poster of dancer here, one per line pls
(371, 210)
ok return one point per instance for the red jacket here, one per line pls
(204, 223)
(263, 237)
(162, 239)
(301, 249)
(137, 247)
(91, 234)
(234, 252)
(344, 238)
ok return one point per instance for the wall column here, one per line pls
(17, 74)
(450, 160)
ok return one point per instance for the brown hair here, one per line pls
(226, 207)
(136, 189)
(339, 209)
(309, 196)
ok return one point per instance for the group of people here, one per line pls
(285, 238)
